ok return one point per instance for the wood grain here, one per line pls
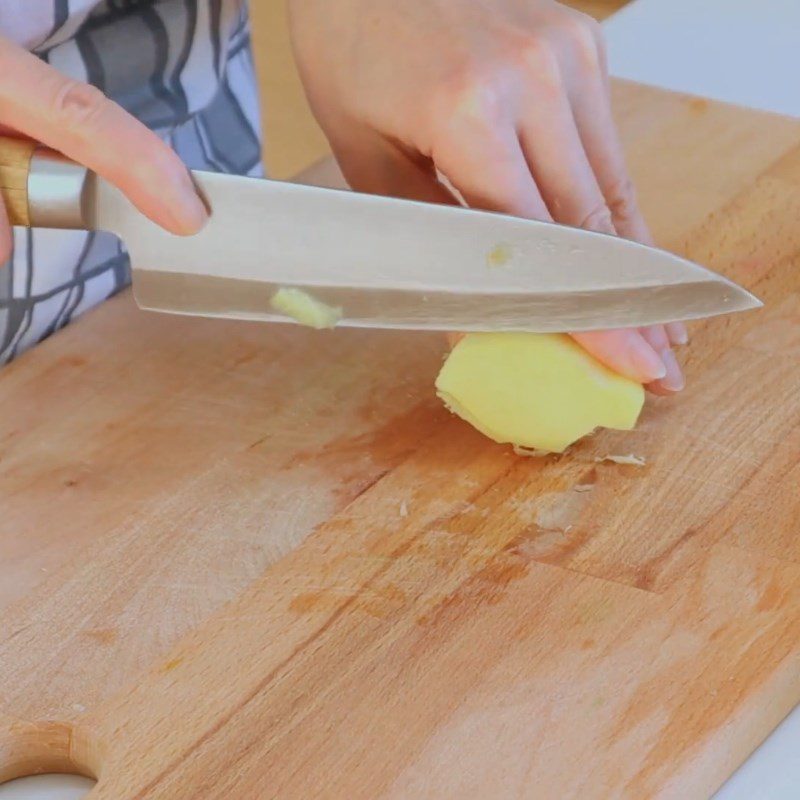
(261, 561)
(15, 159)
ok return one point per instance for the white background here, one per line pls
(741, 51)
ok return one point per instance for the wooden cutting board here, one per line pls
(249, 561)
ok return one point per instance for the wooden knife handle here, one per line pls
(15, 165)
(41, 188)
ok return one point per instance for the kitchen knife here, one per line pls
(370, 261)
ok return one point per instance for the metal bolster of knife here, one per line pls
(57, 191)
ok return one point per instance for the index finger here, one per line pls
(81, 122)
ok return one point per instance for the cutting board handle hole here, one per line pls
(46, 747)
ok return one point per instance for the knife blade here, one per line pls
(381, 262)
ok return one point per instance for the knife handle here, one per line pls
(15, 163)
(41, 188)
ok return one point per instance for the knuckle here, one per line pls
(622, 200)
(599, 219)
(584, 37)
(77, 104)
(590, 24)
(537, 58)
(471, 97)
(537, 54)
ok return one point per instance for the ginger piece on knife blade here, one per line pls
(305, 308)
(536, 391)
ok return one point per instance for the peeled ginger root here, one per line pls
(535, 390)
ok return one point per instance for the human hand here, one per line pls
(38, 102)
(508, 99)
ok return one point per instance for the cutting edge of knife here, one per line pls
(358, 307)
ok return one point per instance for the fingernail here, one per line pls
(673, 380)
(644, 360)
(677, 333)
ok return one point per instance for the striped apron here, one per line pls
(184, 68)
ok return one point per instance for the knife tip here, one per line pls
(750, 301)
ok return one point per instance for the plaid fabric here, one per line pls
(184, 68)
